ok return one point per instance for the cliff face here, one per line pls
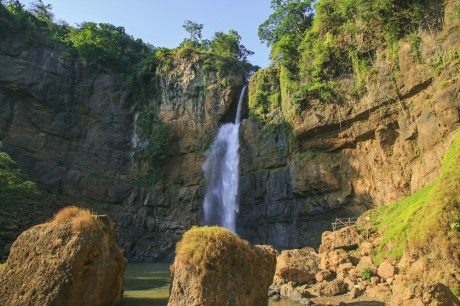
(73, 129)
(353, 155)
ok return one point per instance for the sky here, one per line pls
(159, 22)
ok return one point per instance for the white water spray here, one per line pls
(221, 170)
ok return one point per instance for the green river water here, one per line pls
(148, 285)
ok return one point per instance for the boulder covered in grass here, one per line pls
(71, 260)
(213, 266)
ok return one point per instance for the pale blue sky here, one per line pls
(159, 22)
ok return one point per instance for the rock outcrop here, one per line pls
(72, 260)
(213, 266)
(299, 266)
(73, 128)
(350, 155)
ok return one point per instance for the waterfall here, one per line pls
(221, 170)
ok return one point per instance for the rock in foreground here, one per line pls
(213, 266)
(71, 260)
(299, 266)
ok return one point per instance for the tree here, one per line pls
(42, 11)
(229, 45)
(14, 6)
(194, 29)
(290, 17)
(106, 45)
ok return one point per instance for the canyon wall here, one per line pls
(73, 128)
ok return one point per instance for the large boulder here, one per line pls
(299, 266)
(345, 238)
(213, 266)
(71, 260)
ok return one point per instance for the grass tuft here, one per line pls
(422, 223)
(80, 218)
(205, 247)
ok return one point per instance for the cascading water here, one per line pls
(221, 170)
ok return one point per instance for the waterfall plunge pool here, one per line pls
(147, 284)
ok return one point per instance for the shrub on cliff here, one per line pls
(341, 40)
(15, 188)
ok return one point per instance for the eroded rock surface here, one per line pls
(71, 260)
(213, 266)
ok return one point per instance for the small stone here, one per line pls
(386, 270)
(375, 280)
(323, 275)
(390, 280)
(366, 248)
(296, 296)
(345, 267)
(305, 301)
(355, 292)
(276, 297)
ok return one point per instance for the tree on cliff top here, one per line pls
(194, 29)
(42, 11)
(290, 17)
(285, 27)
(229, 45)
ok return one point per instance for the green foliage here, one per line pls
(444, 59)
(290, 17)
(366, 274)
(142, 81)
(14, 186)
(155, 134)
(228, 45)
(105, 45)
(194, 29)
(342, 39)
(415, 42)
(427, 215)
(42, 11)
(204, 248)
(264, 92)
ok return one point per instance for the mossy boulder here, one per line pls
(71, 260)
(213, 266)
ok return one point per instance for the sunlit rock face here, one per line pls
(73, 129)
